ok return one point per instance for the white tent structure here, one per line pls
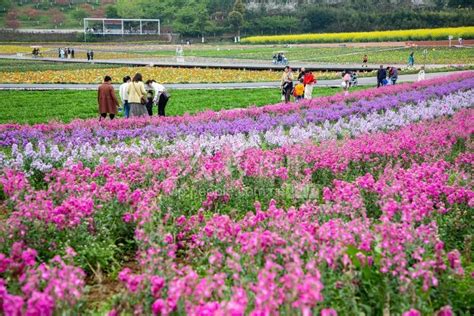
(103, 26)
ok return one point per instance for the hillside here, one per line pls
(251, 17)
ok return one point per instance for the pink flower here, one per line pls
(12, 305)
(157, 284)
(113, 312)
(29, 257)
(445, 311)
(158, 307)
(412, 312)
(40, 304)
(328, 312)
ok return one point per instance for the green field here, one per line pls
(36, 65)
(377, 55)
(42, 106)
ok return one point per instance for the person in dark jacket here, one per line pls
(302, 73)
(381, 76)
(107, 100)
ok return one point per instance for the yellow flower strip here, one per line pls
(164, 75)
(378, 36)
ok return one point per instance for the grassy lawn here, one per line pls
(384, 55)
(43, 106)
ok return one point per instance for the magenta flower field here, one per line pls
(341, 205)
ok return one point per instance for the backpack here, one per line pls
(298, 90)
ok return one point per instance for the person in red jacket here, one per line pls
(107, 100)
(309, 81)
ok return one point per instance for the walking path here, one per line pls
(189, 86)
(199, 62)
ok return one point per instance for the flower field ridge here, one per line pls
(334, 206)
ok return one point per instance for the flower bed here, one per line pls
(338, 205)
(377, 36)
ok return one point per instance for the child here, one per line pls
(421, 74)
(298, 91)
(149, 102)
(346, 78)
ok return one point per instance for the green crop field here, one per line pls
(42, 106)
(377, 55)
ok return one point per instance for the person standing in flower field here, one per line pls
(298, 91)
(411, 59)
(107, 100)
(421, 74)
(123, 92)
(302, 73)
(346, 79)
(136, 96)
(161, 96)
(365, 59)
(393, 74)
(286, 84)
(381, 76)
(309, 81)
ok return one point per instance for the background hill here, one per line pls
(252, 17)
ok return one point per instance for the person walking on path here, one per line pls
(365, 59)
(287, 84)
(72, 53)
(309, 81)
(161, 96)
(123, 92)
(92, 54)
(137, 96)
(88, 55)
(107, 100)
(381, 76)
(411, 59)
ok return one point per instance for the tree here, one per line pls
(57, 17)
(62, 2)
(32, 13)
(239, 7)
(5, 5)
(236, 19)
(130, 9)
(111, 11)
(11, 20)
(79, 14)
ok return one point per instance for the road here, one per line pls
(194, 86)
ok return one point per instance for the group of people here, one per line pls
(90, 54)
(387, 76)
(137, 98)
(36, 52)
(303, 88)
(349, 79)
(280, 59)
(65, 53)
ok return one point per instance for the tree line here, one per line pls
(195, 18)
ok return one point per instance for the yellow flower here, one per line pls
(378, 36)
